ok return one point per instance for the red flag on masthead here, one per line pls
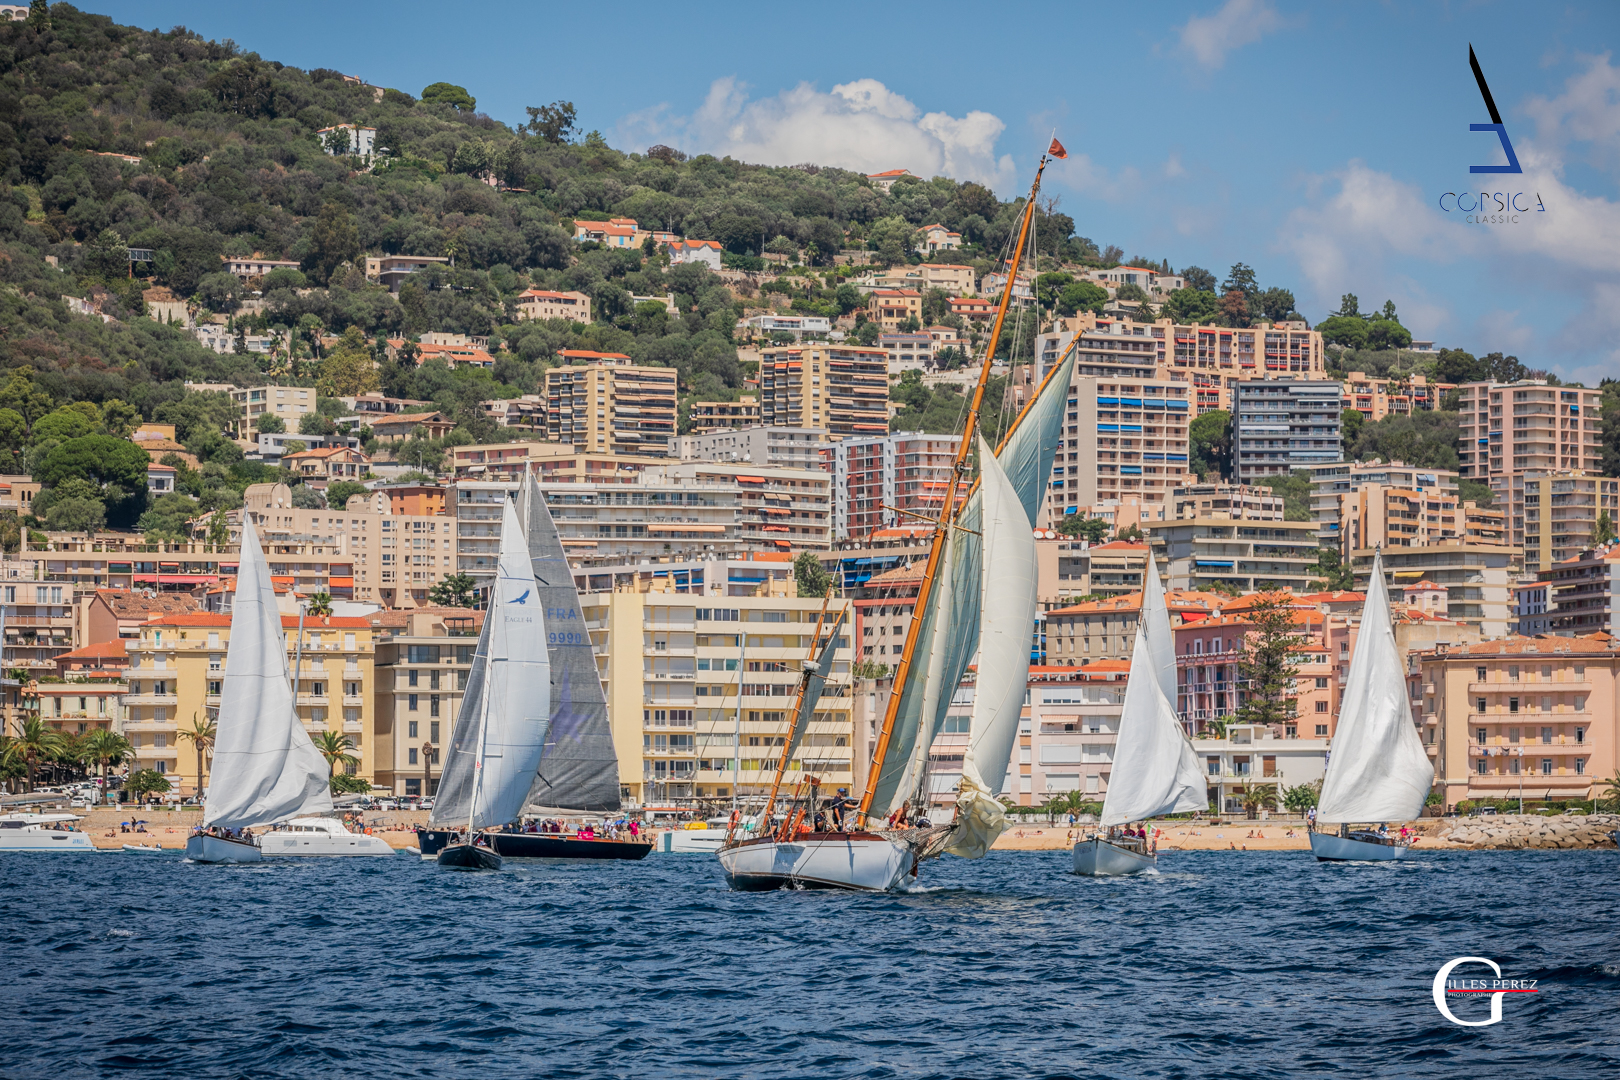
(1056, 150)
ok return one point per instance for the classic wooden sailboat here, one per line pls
(578, 769)
(1378, 771)
(266, 769)
(957, 605)
(500, 732)
(1155, 770)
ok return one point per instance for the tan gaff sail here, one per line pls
(1378, 769)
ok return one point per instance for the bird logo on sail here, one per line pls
(521, 599)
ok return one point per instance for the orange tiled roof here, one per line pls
(101, 650)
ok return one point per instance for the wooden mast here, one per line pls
(798, 701)
(948, 509)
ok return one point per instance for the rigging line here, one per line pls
(947, 511)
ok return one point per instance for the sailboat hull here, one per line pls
(468, 857)
(1098, 858)
(216, 849)
(860, 862)
(1328, 847)
(540, 845)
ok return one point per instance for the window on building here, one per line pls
(410, 729)
(1546, 766)
(410, 756)
(1321, 706)
(1546, 736)
(1321, 682)
(1321, 730)
(410, 702)
(1479, 674)
(433, 704)
(1479, 705)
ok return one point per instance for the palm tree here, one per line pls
(335, 747)
(106, 748)
(11, 760)
(320, 604)
(1258, 797)
(37, 743)
(202, 735)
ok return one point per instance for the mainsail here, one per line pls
(265, 769)
(1155, 770)
(580, 770)
(814, 682)
(501, 728)
(1378, 770)
(1026, 458)
(1007, 605)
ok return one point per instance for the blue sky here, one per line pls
(1310, 141)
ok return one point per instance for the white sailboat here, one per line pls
(266, 769)
(1155, 770)
(42, 832)
(311, 836)
(1378, 771)
(498, 741)
(972, 596)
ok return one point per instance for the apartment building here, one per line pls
(1200, 552)
(891, 307)
(707, 416)
(842, 389)
(557, 462)
(1528, 425)
(953, 279)
(1284, 425)
(1577, 597)
(39, 620)
(785, 447)
(1552, 515)
(80, 705)
(884, 480)
(391, 271)
(1104, 630)
(1210, 687)
(287, 403)
(548, 304)
(364, 554)
(177, 668)
(1067, 741)
(526, 413)
(690, 510)
(686, 674)
(1123, 440)
(318, 468)
(1234, 501)
(422, 662)
(1253, 755)
(1210, 360)
(908, 352)
(1333, 497)
(1536, 715)
(766, 324)
(1477, 579)
(1375, 399)
(602, 403)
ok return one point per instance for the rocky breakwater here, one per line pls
(1538, 831)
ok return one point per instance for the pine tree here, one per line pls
(1266, 663)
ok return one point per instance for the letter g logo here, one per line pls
(1440, 992)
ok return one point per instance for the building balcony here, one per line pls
(151, 699)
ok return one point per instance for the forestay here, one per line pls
(1378, 770)
(265, 767)
(1155, 770)
(580, 770)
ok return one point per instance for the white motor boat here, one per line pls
(1357, 846)
(210, 848)
(867, 862)
(319, 836)
(41, 832)
(705, 841)
(1100, 857)
(144, 849)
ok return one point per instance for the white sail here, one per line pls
(1378, 770)
(517, 695)
(1007, 617)
(933, 651)
(1155, 770)
(265, 767)
(1161, 642)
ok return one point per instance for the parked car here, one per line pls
(427, 803)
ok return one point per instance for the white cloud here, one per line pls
(1554, 276)
(1238, 23)
(1587, 111)
(860, 125)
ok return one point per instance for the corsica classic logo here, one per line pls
(1492, 207)
(1446, 984)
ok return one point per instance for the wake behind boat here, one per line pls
(1378, 771)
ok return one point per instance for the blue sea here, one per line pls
(1226, 964)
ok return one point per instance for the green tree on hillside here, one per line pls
(334, 241)
(810, 576)
(443, 93)
(1210, 441)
